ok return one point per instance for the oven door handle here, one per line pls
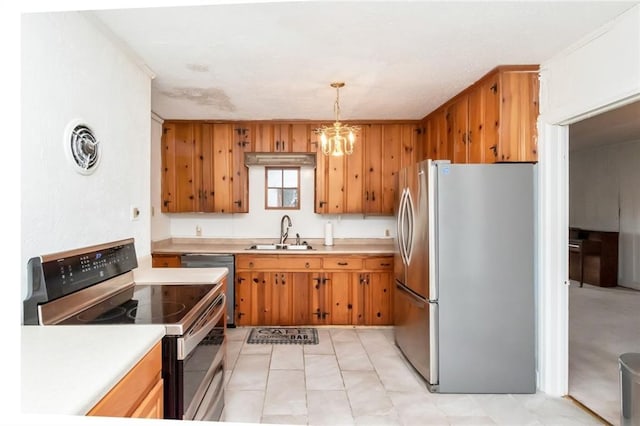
(202, 327)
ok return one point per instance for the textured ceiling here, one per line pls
(399, 59)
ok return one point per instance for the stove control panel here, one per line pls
(55, 275)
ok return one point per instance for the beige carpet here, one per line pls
(603, 323)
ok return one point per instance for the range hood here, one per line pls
(281, 159)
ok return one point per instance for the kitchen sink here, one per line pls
(280, 247)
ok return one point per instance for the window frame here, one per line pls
(267, 169)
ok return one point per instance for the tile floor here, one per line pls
(357, 376)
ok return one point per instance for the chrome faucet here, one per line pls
(284, 233)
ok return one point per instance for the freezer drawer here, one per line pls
(416, 332)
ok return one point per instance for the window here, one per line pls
(282, 187)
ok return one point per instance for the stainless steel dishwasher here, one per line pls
(215, 260)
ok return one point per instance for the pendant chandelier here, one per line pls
(339, 138)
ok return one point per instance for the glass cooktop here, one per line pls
(147, 304)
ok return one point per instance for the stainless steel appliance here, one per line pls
(216, 260)
(95, 285)
(464, 300)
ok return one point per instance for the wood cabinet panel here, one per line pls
(332, 290)
(299, 140)
(341, 298)
(134, 390)
(152, 407)
(494, 120)
(166, 261)
(240, 172)
(342, 263)
(198, 169)
(373, 168)
(391, 162)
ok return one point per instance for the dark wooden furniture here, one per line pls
(593, 257)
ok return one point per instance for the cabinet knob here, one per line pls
(250, 264)
(306, 265)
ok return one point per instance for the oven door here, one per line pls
(194, 374)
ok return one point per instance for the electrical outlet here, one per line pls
(387, 233)
(134, 213)
(198, 231)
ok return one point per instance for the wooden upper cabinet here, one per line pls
(493, 120)
(412, 140)
(394, 147)
(242, 143)
(282, 137)
(179, 167)
(373, 168)
(518, 91)
(436, 136)
(457, 113)
(198, 168)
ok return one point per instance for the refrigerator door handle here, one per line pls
(410, 217)
(415, 300)
(400, 225)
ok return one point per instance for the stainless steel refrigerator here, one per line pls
(464, 271)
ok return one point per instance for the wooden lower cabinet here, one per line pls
(139, 394)
(166, 261)
(334, 290)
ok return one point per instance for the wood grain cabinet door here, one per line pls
(180, 181)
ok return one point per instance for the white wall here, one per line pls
(71, 70)
(604, 195)
(261, 223)
(600, 72)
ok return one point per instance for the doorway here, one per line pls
(604, 319)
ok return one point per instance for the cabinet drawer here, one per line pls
(297, 263)
(278, 263)
(166, 261)
(346, 263)
(378, 263)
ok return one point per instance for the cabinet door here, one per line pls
(391, 158)
(354, 180)
(336, 184)
(443, 151)
(240, 172)
(166, 261)
(378, 298)
(281, 299)
(341, 305)
(243, 298)
(491, 112)
(180, 182)
(475, 135)
(299, 139)
(320, 299)
(373, 168)
(215, 159)
(152, 406)
(412, 140)
(321, 200)
(264, 137)
(457, 113)
(518, 114)
(261, 299)
(302, 287)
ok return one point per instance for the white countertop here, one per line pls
(145, 274)
(68, 369)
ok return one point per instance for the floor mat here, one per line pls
(284, 335)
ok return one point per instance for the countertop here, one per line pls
(145, 274)
(365, 246)
(69, 369)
